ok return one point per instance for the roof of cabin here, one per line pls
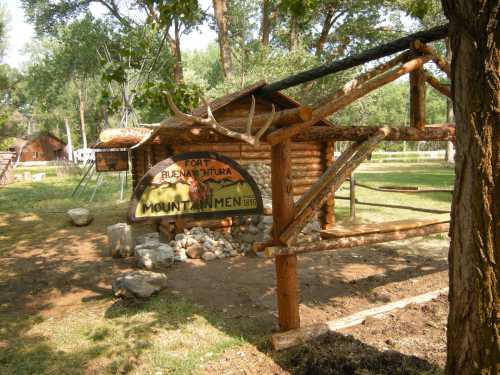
(170, 124)
(20, 143)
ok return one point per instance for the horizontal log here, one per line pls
(295, 161)
(299, 336)
(241, 147)
(123, 137)
(308, 167)
(348, 230)
(212, 224)
(266, 155)
(397, 206)
(305, 174)
(355, 241)
(438, 132)
(401, 189)
(305, 181)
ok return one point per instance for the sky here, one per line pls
(20, 33)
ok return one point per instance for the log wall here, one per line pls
(309, 160)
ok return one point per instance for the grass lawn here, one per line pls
(57, 313)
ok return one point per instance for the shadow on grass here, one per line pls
(208, 307)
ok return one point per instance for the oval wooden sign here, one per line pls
(195, 185)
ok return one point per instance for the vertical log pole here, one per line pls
(283, 212)
(329, 208)
(352, 196)
(417, 99)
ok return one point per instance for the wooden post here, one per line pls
(283, 213)
(417, 99)
(352, 196)
(329, 207)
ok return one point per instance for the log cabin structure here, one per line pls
(309, 158)
(39, 147)
(298, 143)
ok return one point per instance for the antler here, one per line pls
(211, 122)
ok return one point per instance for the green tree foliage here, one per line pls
(124, 62)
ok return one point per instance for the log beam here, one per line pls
(417, 99)
(355, 241)
(283, 213)
(437, 85)
(199, 135)
(438, 132)
(123, 137)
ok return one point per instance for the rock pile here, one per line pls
(250, 229)
(204, 243)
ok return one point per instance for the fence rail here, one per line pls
(405, 190)
(419, 156)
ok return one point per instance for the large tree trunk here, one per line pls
(81, 100)
(220, 11)
(449, 110)
(266, 22)
(325, 30)
(473, 323)
(175, 49)
(294, 33)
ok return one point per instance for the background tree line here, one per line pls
(87, 73)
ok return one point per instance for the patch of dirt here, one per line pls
(417, 330)
(411, 341)
(61, 267)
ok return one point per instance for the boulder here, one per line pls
(153, 257)
(208, 255)
(120, 240)
(195, 251)
(80, 216)
(139, 284)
